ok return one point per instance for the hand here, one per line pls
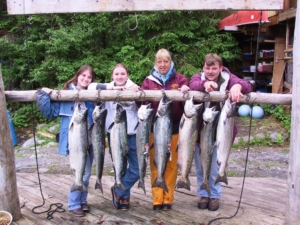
(184, 88)
(210, 86)
(135, 88)
(47, 90)
(235, 92)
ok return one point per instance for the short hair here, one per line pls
(212, 59)
(163, 53)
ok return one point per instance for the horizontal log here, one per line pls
(22, 7)
(147, 95)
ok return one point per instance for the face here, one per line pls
(212, 72)
(163, 65)
(84, 79)
(120, 76)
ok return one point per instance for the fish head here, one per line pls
(190, 109)
(80, 114)
(210, 114)
(165, 106)
(120, 115)
(99, 113)
(229, 107)
(145, 112)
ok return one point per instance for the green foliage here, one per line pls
(25, 114)
(280, 112)
(47, 50)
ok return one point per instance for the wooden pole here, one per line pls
(293, 181)
(148, 95)
(9, 198)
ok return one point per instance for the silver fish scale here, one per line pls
(145, 115)
(98, 142)
(162, 140)
(224, 138)
(188, 134)
(78, 146)
(118, 144)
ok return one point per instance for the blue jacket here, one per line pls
(51, 110)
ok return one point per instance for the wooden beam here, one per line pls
(79, 6)
(287, 14)
(9, 199)
(148, 95)
(293, 182)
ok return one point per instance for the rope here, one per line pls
(58, 205)
(250, 127)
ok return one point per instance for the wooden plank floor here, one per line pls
(263, 202)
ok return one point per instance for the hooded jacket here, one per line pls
(225, 81)
(177, 81)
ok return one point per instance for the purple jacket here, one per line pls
(197, 84)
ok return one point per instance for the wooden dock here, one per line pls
(263, 202)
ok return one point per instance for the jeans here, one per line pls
(131, 174)
(215, 190)
(76, 198)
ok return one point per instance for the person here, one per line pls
(214, 77)
(164, 77)
(77, 200)
(120, 78)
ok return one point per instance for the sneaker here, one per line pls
(213, 204)
(85, 207)
(203, 203)
(124, 203)
(166, 207)
(157, 207)
(77, 212)
(115, 199)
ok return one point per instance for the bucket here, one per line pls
(12, 129)
(5, 218)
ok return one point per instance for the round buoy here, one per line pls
(244, 110)
(257, 112)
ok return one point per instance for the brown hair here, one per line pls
(79, 71)
(120, 65)
(212, 59)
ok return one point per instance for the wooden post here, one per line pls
(9, 198)
(293, 182)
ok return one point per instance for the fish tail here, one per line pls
(142, 185)
(120, 186)
(222, 179)
(205, 186)
(76, 187)
(182, 183)
(162, 184)
(98, 185)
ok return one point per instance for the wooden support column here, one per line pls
(293, 182)
(278, 65)
(9, 198)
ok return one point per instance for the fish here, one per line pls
(162, 140)
(188, 134)
(224, 138)
(118, 145)
(143, 130)
(78, 146)
(207, 140)
(98, 141)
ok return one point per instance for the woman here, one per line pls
(77, 200)
(164, 77)
(120, 77)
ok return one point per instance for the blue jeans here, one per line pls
(215, 190)
(131, 174)
(76, 198)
